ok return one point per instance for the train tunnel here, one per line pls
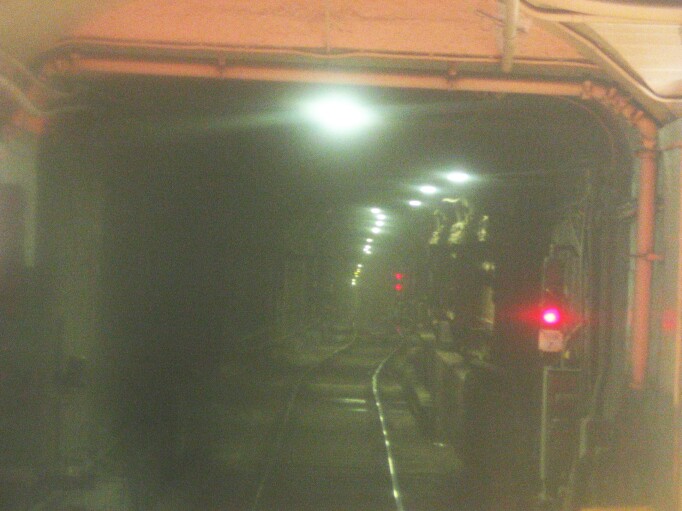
(241, 271)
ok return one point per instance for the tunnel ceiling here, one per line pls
(635, 44)
(245, 154)
(193, 72)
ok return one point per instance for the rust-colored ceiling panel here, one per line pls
(429, 26)
(634, 43)
(537, 43)
(654, 51)
(29, 27)
(463, 28)
(213, 22)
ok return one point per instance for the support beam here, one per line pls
(431, 81)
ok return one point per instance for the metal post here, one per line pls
(646, 212)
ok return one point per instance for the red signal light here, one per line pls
(398, 287)
(551, 316)
(399, 276)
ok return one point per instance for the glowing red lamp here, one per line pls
(551, 316)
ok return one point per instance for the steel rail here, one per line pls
(392, 468)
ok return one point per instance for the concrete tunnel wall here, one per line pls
(665, 306)
(128, 306)
(70, 260)
(29, 423)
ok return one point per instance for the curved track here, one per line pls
(331, 449)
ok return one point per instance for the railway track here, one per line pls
(332, 450)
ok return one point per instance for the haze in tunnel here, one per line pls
(226, 211)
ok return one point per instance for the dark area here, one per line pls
(219, 219)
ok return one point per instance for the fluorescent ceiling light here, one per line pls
(458, 177)
(339, 113)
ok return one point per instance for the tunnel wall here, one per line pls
(659, 413)
(28, 425)
(53, 343)
(18, 166)
(153, 266)
(71, 191)
(645, 420)
(56, 365)
(635, 462)
(665, 309)
(296, 295)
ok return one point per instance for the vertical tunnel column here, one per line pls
(667, 279)
(27, 428)
(18, 159)
(655, 376)
(670, 352)
(71, 239)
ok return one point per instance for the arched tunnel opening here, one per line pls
(207, 241)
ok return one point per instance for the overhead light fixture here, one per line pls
(369, 240)
(379, 223)
(375, 211)
(381, 216)
(415, 203)
(339, 113)
(458, 177)
(375, 230)
(428, 189)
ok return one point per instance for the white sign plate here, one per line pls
(551, 341)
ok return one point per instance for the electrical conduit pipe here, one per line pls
(646, 219)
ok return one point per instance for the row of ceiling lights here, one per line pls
(380, 219)
(457, 177)
(341, 114)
